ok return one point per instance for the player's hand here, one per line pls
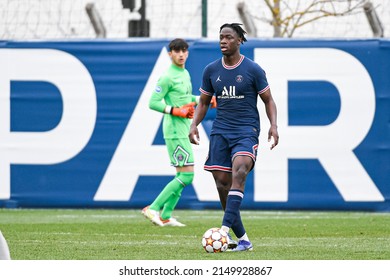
(213, 102)
(194, 135)
(185, 111)
(273, 133)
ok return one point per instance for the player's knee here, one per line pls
(240, 175)
(222, 181)
(186, 178)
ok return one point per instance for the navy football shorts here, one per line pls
(224, 148)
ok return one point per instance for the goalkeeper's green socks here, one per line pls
(170, 205)
(171, 188)
(170, 195)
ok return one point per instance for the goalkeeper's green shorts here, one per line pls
(180, 152)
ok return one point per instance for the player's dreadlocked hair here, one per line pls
(178, 44)
(237, 28)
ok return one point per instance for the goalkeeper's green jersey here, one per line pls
(174, 89)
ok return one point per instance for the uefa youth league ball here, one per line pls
(215, 240)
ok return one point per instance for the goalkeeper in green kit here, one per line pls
(173, 97)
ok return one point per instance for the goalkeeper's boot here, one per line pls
(152, 215)
(243, 245)
(172, 222)
(231, 242)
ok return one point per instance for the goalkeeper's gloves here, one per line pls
(185, 111)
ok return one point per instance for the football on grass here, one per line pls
(215, 240)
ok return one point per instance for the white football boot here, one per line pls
(153, 216)
(172, 222)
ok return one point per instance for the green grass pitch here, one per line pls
(64, 234)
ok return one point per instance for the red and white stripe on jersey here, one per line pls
(205, 92)
(263, 90)
(228, 67)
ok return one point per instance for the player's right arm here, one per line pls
(200, 113)
(206, 97)
(156, 101)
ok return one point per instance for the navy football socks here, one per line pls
(232, 212)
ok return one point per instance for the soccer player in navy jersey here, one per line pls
(236, 82)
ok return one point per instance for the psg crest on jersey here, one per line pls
(239, 78)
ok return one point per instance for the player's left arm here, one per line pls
(270, 108)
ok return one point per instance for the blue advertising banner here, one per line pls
(76, 130)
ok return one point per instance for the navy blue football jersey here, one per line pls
(237, 89)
